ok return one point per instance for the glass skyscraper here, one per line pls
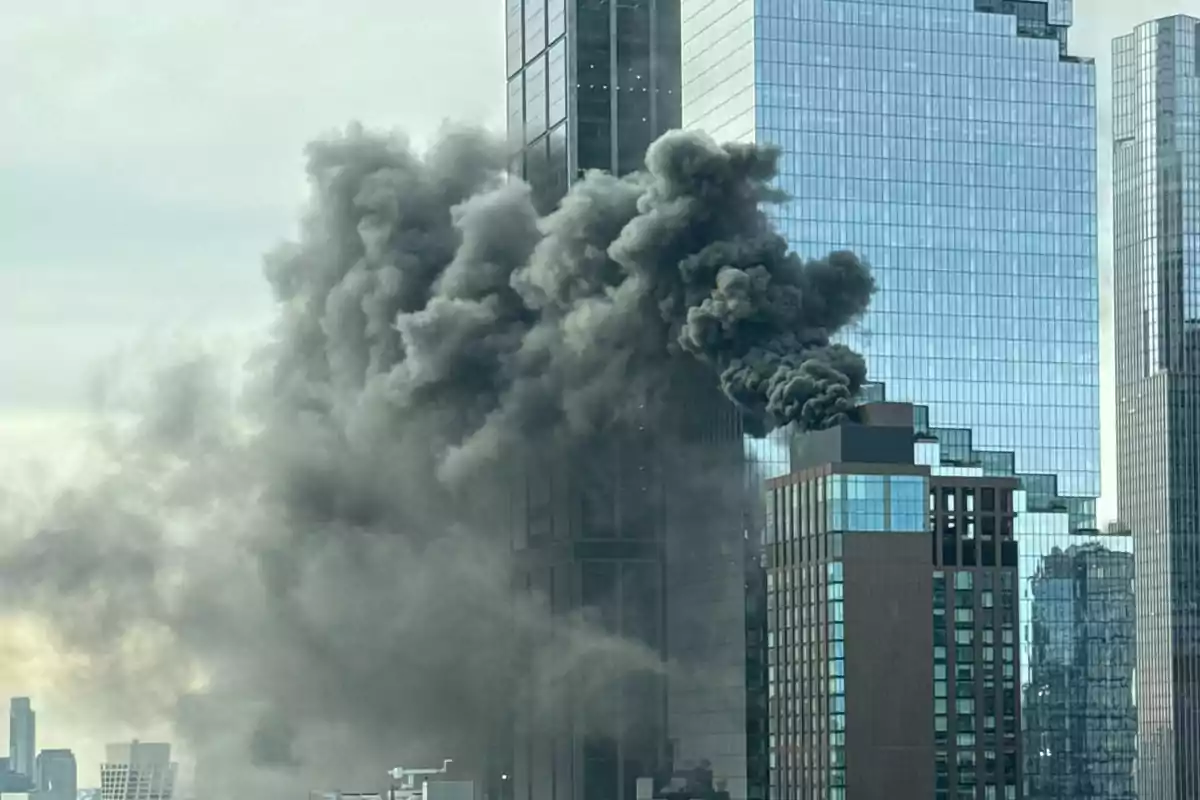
(627, 531)
(1156, 264)
(952, 144)
(22, 738)
(591, 83)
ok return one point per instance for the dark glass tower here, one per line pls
(644, 531)
(1156, 266)
(624, 529)
(591, 83)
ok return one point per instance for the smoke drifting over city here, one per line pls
(303, 576)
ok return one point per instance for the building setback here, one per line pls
(1156, 266)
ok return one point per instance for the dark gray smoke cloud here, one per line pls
(323, 552)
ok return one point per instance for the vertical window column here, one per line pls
(515, 57)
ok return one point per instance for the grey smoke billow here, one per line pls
(322, 552)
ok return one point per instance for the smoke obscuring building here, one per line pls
(620, 530)
(57, 775)
(649, 530)
(885, 572)
(590, 85)
(22, 738)
(138, 771)
(1156, 266)
(951, 144)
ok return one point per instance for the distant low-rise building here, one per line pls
(138, 771)
(57, 775)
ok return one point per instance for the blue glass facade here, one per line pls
(959, 159)
(951, 143)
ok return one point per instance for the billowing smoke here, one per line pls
(310, 577)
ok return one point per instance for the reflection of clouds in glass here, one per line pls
(769, 456)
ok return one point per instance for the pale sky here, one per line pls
(152, 150)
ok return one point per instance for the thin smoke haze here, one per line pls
(306, 576)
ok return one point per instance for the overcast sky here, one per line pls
(151, 150)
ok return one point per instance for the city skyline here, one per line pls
(56, 768)
(246, 219)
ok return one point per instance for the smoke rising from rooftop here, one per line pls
(307, 576)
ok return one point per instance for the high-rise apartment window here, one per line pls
(556, 81)
(535, 98)
(514, 58)
(516, 112)
(535, 28)
(556, 19)
(907, 503)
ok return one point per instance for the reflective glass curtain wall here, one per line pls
(1156, 260)
(591, 83)
(952, 144)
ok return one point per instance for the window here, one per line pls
(516, 113)
(556, 19)
(907, 503)
(556, 77)
(864, 502)
(535, 28)
(515, 57)
(535, 99)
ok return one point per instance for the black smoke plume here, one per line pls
(314, 568)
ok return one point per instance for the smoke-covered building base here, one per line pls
(646, 531)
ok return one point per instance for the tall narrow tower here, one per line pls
(22, 738)
(1156, 265)
(591, 84)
